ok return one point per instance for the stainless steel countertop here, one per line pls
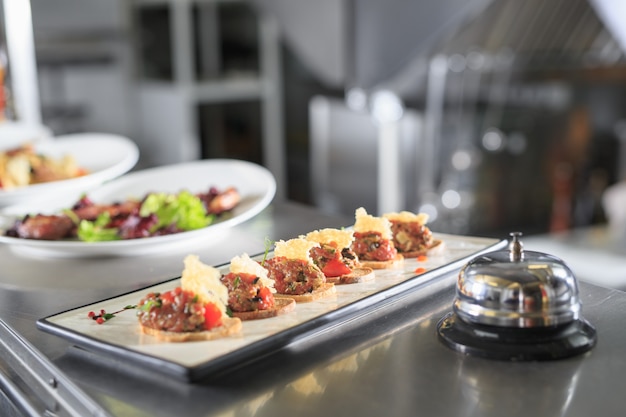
(386, 362)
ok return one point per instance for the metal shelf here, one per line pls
(185, 92)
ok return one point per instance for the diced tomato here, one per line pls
(335, 268)
(422, 258)
(212, 316)
(267, 298)
(420, 270)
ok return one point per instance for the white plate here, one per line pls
(255, 184)
(105, 156)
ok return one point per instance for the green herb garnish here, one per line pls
(268, 245)
(147, 306)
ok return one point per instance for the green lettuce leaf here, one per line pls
(96, 231)
(184, 209)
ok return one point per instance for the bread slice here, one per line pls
(281, 306)
(362, 274)
(230, 326)
(437, 248)
(325, 290)
(383, 264)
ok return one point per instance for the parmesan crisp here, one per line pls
(245, 265)
(367, 223)
(204, 281)
(407, 217)
(343, 238)
(297, 248)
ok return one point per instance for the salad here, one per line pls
(156, 214)
(23, 166)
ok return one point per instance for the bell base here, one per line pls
(517, 344)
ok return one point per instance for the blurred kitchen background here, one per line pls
(490, 115)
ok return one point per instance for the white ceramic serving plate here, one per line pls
(105, 156)
(255, 184)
